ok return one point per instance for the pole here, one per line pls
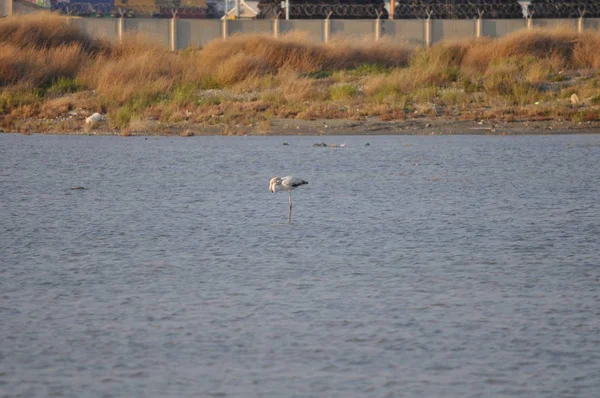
(327, 27)
(530, 19)
(276, 27)
(428, 29)
(173, 30)
(121, 25)
(580, 25)
(479, 26)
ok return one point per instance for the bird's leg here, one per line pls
(290, 213)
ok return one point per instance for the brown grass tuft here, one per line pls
(586, 54)
(300, 55)
(46, 30)
(38, 67)
(556, 46)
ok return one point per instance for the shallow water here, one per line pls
(460, 266)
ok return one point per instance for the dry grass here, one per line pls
(48, 67)
(34, 67)
(300, 55)
(560, 48)
(57, 106)
(46, 30)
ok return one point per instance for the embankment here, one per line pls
(52, 76)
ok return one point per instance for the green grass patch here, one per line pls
(387, 94)
(208, 82)
(184, 94)
(523, 93)
(425, 94)
(369, 69)
(342, 92)
(121, 117)
(10, 99)
(63, 85)
(454, 96)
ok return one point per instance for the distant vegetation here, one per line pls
(49, 69)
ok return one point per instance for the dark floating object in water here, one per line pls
(367, 144)
(77, 188)
(319, 144)
(285, 143)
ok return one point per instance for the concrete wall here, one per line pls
(452, 29)
(311, 29)
(5, 8)
(591, 24)
(20, 8)
(502, 27)
(158, 30)
(101, 28)
(352, 29)
(257, 26)
(197, 32)
(555, 23)
(411, 31)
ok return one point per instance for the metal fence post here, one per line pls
(479, 24)
(428, 24)
(174, 30)
(276, 27)
(378, 26)
(530, 19)
(392, 9)
(121, 25)
(580, 25)
(327, 27)
(225, 29)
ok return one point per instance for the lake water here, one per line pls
(457, 266)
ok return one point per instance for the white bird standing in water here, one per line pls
(287, 184)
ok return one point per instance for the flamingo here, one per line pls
(287, 184)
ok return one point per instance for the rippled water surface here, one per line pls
(461, 266)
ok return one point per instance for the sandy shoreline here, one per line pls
(323, 127)
(430, 126)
